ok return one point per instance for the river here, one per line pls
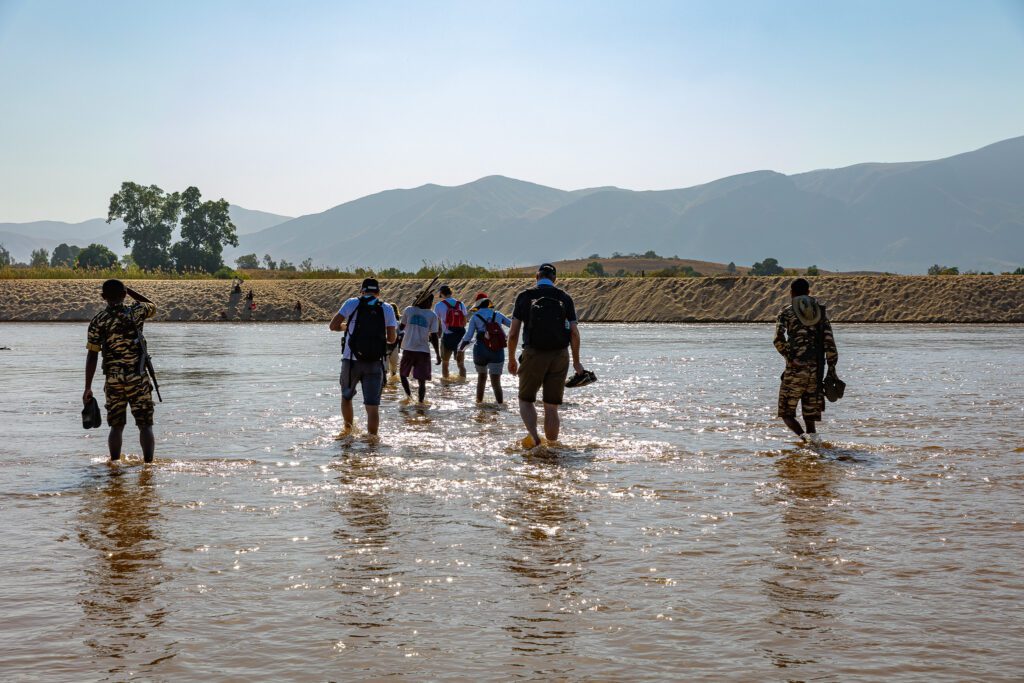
(678, 533)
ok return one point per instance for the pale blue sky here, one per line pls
(294, 107)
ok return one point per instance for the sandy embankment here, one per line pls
(949, 299)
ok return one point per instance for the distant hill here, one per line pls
(966, 210)
(635, 265)
(22, 238)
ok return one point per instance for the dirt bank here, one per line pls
(950, 299)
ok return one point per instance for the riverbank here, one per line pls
(910, 299)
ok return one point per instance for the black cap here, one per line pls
(370, 285)
(546, 269)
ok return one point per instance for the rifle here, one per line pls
(145, 360)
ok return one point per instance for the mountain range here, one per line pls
(966, 210)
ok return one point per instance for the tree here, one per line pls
(593, 256)
(813, 270)
(1019, 271)
(150, 215)
(64, 256)
(5, 256)
(306, 266)
(248, 262)
(284, 265)
(731, 268)
(595, 269)
(40, 258)
(943, 270)
(769, 266)
(97, 256)
(206, 228)
(270, 263)
(651, 254)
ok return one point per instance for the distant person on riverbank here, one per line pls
(546, 317)
(452, 314)
(420, 327)
(369, 326)
(489, 350)
(803, 335)
(116, 332)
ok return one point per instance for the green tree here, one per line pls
(306, 266)
(284, 265)
(1019, 271)
(5, 256)
(651, 254)
(731, 268)
(943, 270)
(40, 258)
(769, 266)
(270, 263)
(64, 255)
(248, 262)
(813, 270)
(97, 256)
(206, 228)
(595, 269)
(150, 215)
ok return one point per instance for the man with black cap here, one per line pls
(369, 325)
(546, 317)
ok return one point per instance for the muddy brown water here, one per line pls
(677, 533)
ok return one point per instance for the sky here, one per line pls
(294, 107)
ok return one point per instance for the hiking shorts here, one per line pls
(127, 388)
(416, 363)
(367, 374)
(487, 361)
(450, 343)
(800, 386)
(543, 369)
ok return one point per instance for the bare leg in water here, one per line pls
(481, 387)
(146, 440)
(421, 389)
(552, 424)
(499, 395)
(794, 425)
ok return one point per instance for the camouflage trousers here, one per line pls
(127, 388)
(800, 386)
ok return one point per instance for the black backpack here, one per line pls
(368, 341)
(547, 328)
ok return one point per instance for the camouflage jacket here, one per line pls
(796, 341)
(112, 333)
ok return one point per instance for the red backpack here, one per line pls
(454, 318)
(494, 336)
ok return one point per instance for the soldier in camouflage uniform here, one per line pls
(115, 331)
(803, 335)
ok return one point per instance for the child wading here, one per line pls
(489, 349)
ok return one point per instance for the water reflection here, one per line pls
(545, 560)
(801, 585)
(120, 521)
(366, 572)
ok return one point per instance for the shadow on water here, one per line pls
(545, 560)
(119, 520)
(364, 564)
(803, 585)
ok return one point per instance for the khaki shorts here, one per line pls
(123, 389)
(547, 369)
(800, 386)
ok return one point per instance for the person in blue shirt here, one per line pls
(488, 353)
(367, 373)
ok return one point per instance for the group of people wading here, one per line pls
(378, 339)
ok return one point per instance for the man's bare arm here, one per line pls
(135, 295)
(337, 323)
(574, 346)
(91, 358)
(513, 344)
